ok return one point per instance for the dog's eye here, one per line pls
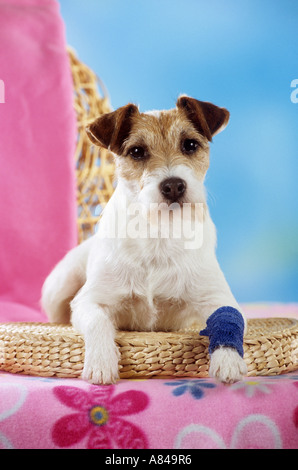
(189, 146)
(137, 153)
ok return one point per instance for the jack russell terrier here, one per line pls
(131, 281)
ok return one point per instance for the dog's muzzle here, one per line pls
(173, 188)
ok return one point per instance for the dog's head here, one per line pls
(161, 156)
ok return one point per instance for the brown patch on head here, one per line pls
(161, 135)
(145, 142)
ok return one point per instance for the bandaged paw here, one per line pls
(225, 327)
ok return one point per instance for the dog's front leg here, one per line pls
(93, 321)
(225, 326)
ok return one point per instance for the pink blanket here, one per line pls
(256, 413)
(38, 134)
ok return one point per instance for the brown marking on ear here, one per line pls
(110, 130)
(207, 118)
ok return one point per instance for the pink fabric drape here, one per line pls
(37, 141)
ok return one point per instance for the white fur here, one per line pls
(99, 277)
(226, 365)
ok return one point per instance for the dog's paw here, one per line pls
(227, 365)
(99, 367)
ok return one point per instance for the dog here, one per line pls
(150, 283)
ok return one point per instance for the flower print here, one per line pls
(13, 396)
(295, 417)
(295, 414)
(251, 387)
(288, 376)
(254, 431)
(38, 378)
(195, 387)
(99, 415)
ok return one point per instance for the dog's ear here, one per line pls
(111, 129)
(207, 118)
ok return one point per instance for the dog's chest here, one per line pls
(159, 270)
(135, 313)
(155, 277)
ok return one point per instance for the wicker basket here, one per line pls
(270, 348)
(94, 166)
(271, 345)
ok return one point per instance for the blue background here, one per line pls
(242, 55)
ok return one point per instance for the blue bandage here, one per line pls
(225, 327)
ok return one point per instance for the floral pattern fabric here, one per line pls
(97, 415)
(259, 412)
(161, 413)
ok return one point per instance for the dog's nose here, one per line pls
(173, 188)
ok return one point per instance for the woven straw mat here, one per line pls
(271, 345)
(47, 349)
